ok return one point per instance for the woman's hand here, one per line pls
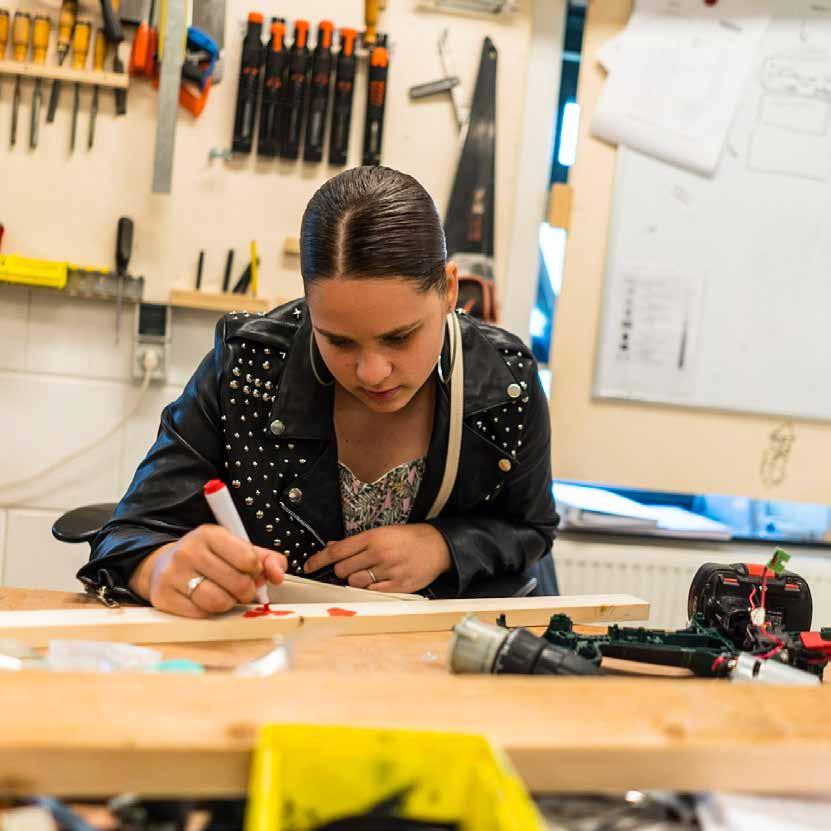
(394, 558)
(233, 570)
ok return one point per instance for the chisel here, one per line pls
(66, 25)
(40, 43)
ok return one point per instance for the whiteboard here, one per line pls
(717, 292)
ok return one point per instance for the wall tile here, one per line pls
(192, 338)
(75, 337)
(14, 316)
(44, 419)
(140, 432)
(35, 559)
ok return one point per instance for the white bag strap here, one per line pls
(457, 403)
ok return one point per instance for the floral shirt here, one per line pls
(386, 501)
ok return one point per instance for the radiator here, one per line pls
(661, 572)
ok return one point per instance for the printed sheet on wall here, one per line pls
(718, 284)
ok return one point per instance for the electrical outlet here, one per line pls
(152, 341)
(156, 353)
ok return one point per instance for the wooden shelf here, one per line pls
(116, 80)
(219, 302)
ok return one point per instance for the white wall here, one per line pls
(63, 382)
(63, 379)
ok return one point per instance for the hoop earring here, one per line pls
(454, 346)
(312, 362)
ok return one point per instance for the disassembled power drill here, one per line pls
(748, 622)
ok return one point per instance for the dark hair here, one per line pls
(371, 222)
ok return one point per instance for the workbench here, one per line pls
(179, 735)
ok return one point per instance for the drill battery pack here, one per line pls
(722, 595)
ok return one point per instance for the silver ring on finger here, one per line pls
(372, 577)
(194, 583)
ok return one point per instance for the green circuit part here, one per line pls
(696, 648)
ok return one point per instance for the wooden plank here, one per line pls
(177, 735)
(66, 74)
(219, 301)
(146, 625)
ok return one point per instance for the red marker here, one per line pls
(220, 502)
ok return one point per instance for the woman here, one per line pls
(329, 419)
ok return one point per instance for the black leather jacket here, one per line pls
(254, 415)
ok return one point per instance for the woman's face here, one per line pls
(380, 338)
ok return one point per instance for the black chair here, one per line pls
(83, 524)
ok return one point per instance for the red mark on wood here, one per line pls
(336, 612)
(265, 609)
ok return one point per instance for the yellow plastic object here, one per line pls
(254, 268)
(31, 272)
(304, 776)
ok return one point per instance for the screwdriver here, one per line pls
(117, 37)
(123, 252)
(66, 23)
(40, 43)
(80, 48)
(4, 32)
(20, 38)
(99, 57)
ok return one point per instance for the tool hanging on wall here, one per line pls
(80, 48)
(344, 94)
(319, 93)
(209, 17)
(40, 44)
(376, 98)
(99, 58)
(268, 143)
(201, 57)
(66, 25)
(4, 32)
(21, 35)
(469, 220)
(291, 117)
(171, 54)
(115, 35)
(251, 64)
(123, 252)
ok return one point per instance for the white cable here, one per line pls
(150, 363)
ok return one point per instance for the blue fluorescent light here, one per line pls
(568, 134)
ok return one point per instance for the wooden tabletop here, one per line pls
(93, 735)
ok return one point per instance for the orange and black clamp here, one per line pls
(376, 101)
(291, 115)
(319, 93)
(344, 93)
(249, 85)
(268, 143)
